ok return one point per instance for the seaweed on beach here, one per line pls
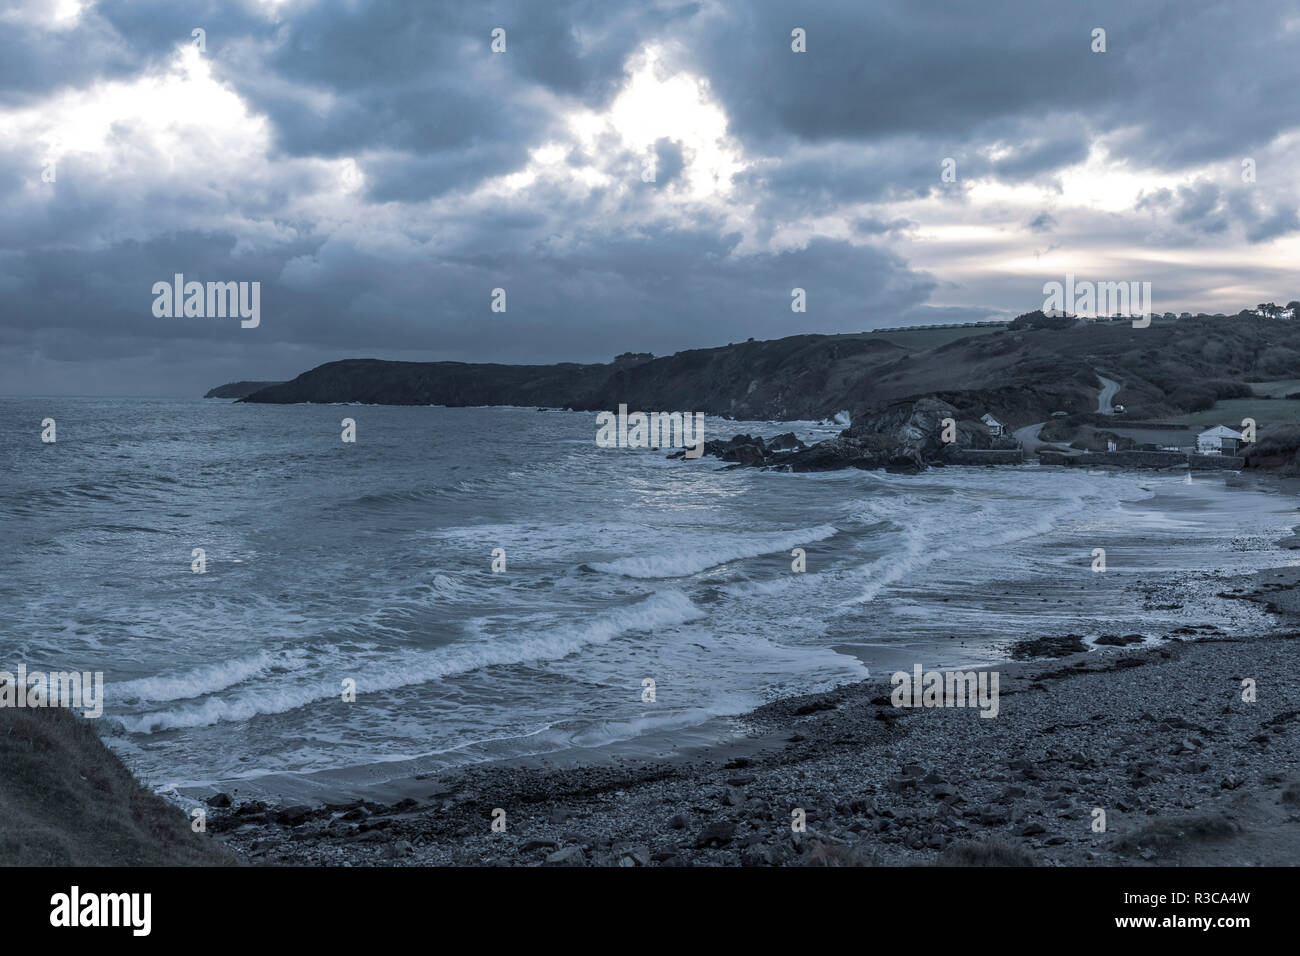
(1057, 646)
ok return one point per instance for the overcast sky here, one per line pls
(379, 169)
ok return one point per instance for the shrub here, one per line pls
(1178, 831)
(992, 852)
(1277, 440)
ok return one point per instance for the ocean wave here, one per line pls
(207, 679)
(392, 671)
(683, 562)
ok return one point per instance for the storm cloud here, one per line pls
(647, 177)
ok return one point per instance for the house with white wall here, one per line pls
(1217, 440)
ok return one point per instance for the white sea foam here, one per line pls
(206, 679)
(721, 549)
(405, 668)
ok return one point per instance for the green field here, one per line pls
(1231, 411)
(1276, 389)
(933, 338)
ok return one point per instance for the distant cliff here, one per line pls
(238, 389)
(1019, 375)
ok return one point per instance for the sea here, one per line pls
(461, 585)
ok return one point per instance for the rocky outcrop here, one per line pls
(1278, 450)
(902, 437)
(750, 450)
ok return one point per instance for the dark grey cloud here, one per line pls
(1191, 79)
(1207, 209)
(1263, 224)
(656, 292)
(669, 160)
(36, 61)
(1043, 222)
(599, 264)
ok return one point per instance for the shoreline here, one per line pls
(395, 779)
(1156, 737)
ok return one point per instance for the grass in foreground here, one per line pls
(1178, 832)
(991, 852)
(67, 800)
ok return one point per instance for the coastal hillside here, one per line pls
(67, 800)
(238, 389)
(1021, 373)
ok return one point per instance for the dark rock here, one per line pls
(758, 856)
(1056, 646)
(1114, 640)
(569, 856)
(399, 849)
(637, 855)
(716, 834)
(293, 816)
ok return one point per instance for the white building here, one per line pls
(1211, 441)
(995, 427)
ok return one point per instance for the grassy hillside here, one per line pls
(1231, 411)
(66, 800)
(1279, 389)
(1021, 373)
(930, 338)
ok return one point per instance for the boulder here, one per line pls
(569, 856)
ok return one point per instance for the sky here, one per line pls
(648, 177)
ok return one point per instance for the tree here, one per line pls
(1039, 320)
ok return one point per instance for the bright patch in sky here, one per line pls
(50, 14)
(656, 104)
(179, 113)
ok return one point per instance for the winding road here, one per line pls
(1105, 403)
(1028, 435)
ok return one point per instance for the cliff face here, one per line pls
(238, 389)
(811, 376)
(372, 381)
(1019, 376)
